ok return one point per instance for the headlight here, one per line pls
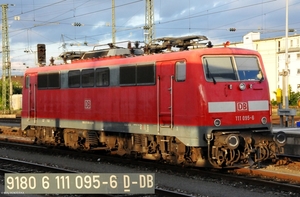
(217, 122)
(264, 120)
(242, 86)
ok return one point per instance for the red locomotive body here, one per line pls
(200, 107)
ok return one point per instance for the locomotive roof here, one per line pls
(127, 60)
(114, 55)
(162, 45)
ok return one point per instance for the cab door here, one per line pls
(31, 83)
(165, 80)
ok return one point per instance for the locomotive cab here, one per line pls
(239, 110)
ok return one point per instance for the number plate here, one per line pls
(81, 183)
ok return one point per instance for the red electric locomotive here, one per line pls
(202, 107)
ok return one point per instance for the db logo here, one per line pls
(242, 106)
(87, 104)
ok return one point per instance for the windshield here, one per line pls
(230, 68)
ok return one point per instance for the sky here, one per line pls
(51, 22)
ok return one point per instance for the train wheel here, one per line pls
(262, 153)
(272, 150)
(237, 156)
(124, 147)
(234, 156)
(221, 157)
(230, 157)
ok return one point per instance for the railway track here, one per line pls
(252, 177)
(16, 166)
(16, 120)
(247, 178)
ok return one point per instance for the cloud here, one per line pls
(136, 21)
(100, 24)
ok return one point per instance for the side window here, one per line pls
(53, 80)
(27, 81)
(42, 81)
(48, 80)
(145, 74)
(74, 79)
(137, 75)
(127, 75)
(180, 71)
(87, 78)
(102, 77)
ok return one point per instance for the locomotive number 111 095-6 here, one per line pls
(244, 118)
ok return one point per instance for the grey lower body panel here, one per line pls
(188, 135)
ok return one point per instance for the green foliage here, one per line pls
(293, 98)
(16, 87)
(274, 102)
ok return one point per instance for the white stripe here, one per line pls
(214, 107)
(258, 105)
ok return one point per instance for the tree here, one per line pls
(16, 89)
(293, 97)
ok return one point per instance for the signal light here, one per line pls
(232, 29)
(41, 53)
(279, 95)
(77, 24)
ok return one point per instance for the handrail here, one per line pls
(171, 107)
(29, 107)
(34, 103)
(158, 103)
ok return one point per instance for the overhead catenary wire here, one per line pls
(61, 13)
(47, 22)
(157, 25)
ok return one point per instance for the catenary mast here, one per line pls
(149, 22)
(6, 64)
(113, 20)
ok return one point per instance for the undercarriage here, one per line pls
(223, 149)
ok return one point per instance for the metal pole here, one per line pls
(149, 22)
(6, 64)
(286, 69)
(285, 78)
(113, 25)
